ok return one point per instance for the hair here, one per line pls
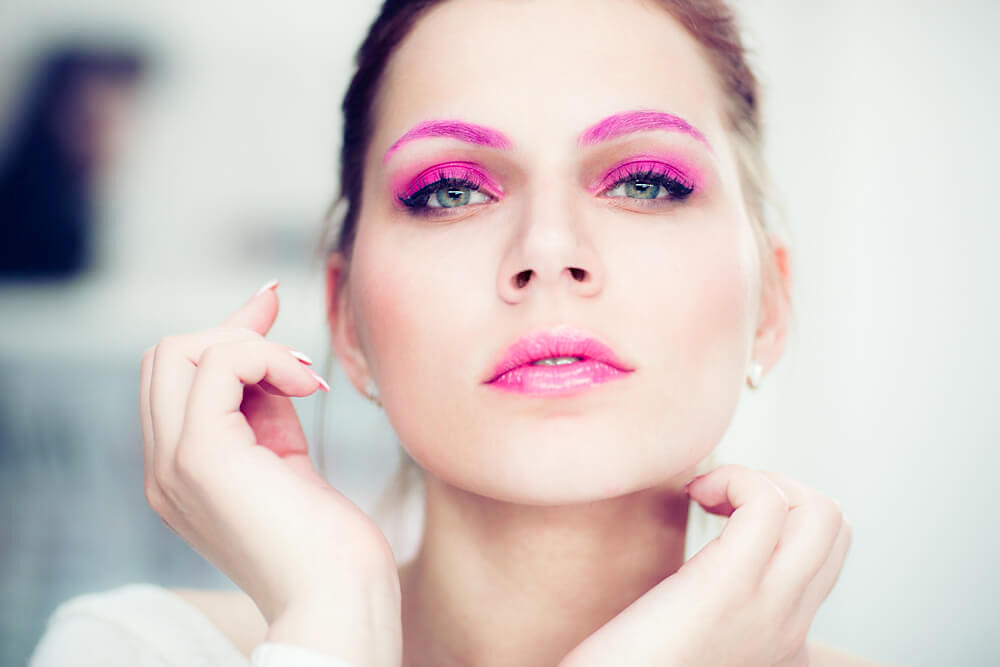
(712, 24)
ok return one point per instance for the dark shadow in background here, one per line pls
(63, 136)
(73, 513)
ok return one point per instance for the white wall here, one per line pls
(883, 144)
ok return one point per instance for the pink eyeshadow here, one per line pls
(405, 183)
(669, 166)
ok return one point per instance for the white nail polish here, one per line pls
(270, 285)
(323, 382)
(301, 357)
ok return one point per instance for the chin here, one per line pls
(563, 461)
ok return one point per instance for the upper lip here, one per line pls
(562, 341)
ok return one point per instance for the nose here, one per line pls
(551, 249)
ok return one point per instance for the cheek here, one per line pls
(696, 327)
(418, 323)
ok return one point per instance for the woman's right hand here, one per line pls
(227, 468)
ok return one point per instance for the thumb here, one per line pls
(257, 314)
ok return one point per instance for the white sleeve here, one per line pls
(138, 625)
(277, 654)
(87, 641)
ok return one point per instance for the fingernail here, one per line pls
(270, 285)
(301, 357)
(322, 382)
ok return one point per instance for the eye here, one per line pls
(447, 193)
(451, 185)
(646, 181)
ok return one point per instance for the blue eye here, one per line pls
(649, 185)
(445, 193)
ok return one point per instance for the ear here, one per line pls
(340, 318)
(775, 306)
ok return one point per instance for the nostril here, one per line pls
(521, 279)
(578, 274)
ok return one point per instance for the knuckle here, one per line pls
(848, 532)
(829, 512)
(167, 344)
(187, 463)
(250, 333)
(154, 497)
(162, 481)
(778, 498)
(214, 354)
(794, 639)
(236, 333)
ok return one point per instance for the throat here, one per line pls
(500, 583)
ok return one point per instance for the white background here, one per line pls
(882, 138)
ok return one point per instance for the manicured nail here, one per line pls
(301, 357)
(322, 382)
(270, 285)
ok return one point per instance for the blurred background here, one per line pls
(161, 161)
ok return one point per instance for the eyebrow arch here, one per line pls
(455, 129)
(628, 122)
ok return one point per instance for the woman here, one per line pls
(554, 274)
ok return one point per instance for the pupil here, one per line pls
(642, 190)
(451, 197)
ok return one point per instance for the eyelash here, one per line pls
(676, 186)
(449, 176)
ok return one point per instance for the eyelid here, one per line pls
(454, 170)
(624, 169)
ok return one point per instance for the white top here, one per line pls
(145, 625)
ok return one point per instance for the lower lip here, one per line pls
(557, 380)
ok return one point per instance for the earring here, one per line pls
(753, 377)
(371, 391)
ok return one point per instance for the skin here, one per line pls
(534, 505)
(555, 527)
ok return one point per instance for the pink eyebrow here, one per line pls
(455, 129)
(638, 121)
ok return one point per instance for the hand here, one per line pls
(227, 468)
(749, 596)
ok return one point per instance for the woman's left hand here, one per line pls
(749, 597)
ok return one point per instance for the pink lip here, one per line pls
(598, 364)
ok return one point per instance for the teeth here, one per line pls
(556, 361)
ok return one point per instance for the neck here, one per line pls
(497, 583)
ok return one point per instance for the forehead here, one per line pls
(543, 70)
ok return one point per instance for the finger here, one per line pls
(145, 416)
(274, 421)
(826, 578)
(258, 313)
(174, 365)
(809, 534)
(759, 510)
(218, 389)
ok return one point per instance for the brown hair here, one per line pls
(711, 23)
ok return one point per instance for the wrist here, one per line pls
(362, 627)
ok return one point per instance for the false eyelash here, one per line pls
(676, 186)
(418, 200)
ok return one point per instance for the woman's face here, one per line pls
(582, 214)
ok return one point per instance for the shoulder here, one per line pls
(140, 625)
(822, 655)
